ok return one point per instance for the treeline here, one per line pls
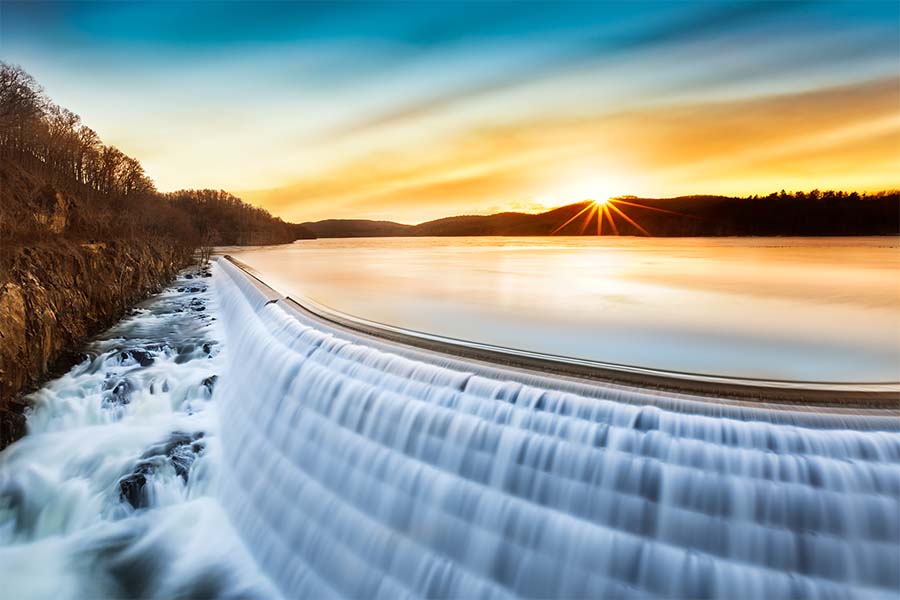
(830, 213)
(58, 178)
(227, 220)
(827, 196)
(782, 214)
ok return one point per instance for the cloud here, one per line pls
(739, 146)
(578, 52)
(412, 111)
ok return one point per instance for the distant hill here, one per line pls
(800, 214)
(334, 228)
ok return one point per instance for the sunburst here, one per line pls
(604, 211)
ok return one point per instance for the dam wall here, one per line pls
(355, 467)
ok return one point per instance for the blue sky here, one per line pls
(410, 110)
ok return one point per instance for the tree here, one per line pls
(105, 192)
(208, 240)
(22, 105)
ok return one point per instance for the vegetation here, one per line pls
(224, 219)
(57, 178)
(340, 228)
(797, 214)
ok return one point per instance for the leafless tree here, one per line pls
(208, 240)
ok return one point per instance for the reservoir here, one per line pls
(795, 309)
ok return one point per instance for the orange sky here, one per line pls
(415, 111)
(841, 137)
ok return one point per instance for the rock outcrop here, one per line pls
(55, 294)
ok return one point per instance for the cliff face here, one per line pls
(55, 294)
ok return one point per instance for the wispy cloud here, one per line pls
(703, 20)
(416, 110)
(745, 146)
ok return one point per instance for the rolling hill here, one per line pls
(800, 214)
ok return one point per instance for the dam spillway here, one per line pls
(354, 468)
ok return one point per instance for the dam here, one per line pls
(435, 478)
(305, 459)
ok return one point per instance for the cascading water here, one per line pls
(111, 493)
(347, 466)
(360, 470)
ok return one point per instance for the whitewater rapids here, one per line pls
(111, 494)
(323, 463)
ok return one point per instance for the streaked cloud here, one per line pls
(413, 111)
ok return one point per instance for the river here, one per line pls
(797, 309)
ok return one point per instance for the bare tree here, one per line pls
(208, 240)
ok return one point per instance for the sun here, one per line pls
(608, 210)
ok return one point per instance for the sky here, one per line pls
(410, 111)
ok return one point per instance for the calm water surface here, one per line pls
(782, 308)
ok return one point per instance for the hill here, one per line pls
(331, 228)
(799, 214)
(59, 179)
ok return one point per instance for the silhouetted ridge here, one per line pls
(357, 228)
(799, 214)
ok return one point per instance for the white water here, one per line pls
(137, 405)
(359, 469)
(356, 471)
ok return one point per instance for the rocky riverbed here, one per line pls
(110, 494)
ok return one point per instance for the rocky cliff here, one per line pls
(55, 294)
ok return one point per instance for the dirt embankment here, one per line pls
(55, 294)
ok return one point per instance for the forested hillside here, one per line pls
(57, 178)
(227, 220)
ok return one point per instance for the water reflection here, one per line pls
(802, 309)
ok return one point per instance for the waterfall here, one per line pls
(358, 468)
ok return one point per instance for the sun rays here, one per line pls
(605, 211)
